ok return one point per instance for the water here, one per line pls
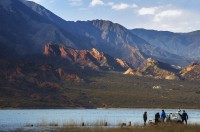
(13, 119)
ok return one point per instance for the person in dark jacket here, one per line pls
(184, 117)
(145, 117)
(163, 115)
(157, 117)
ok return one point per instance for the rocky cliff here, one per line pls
(156, 69)
(93, 58)
(191, 72)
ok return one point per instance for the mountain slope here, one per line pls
(92, 59)
(32, 26)
(157, 70)
(26, 31)
(111, 38)
(184, 47)
(191, 72)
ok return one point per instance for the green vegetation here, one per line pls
(108, 90)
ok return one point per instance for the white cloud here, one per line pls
(96, 2)
(147, 11)
(167, 14)
(121, 6)
(170, 18)
(75, 2)
(114, 6)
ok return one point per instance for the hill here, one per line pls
(182, 47)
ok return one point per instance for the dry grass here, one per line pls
(159, 128)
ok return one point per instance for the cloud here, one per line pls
(167, 14)
(147, 11)
(121, 6)
(169, 18)
(75, 2)
(114, 6)
(96, 2)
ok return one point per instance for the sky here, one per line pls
(165, 15)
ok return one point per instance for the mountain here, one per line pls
(26, 31)
(181, 47)
(27, 26)
(114, 39)
(191, 72)
(46, 61)
(157, 70)
(84, 58)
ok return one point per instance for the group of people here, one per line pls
(184, 116)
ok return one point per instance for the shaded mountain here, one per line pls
(92, 59)
(181, 47)
(27, 26)
(110, 38)
(25, 31)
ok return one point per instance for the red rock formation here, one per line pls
(50, 85)
(60, 72)
(47, 49)
(92, 59)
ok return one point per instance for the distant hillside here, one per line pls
(191, 72)
(156, 69)
(182, 47)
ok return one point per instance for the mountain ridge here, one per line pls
(183, 46)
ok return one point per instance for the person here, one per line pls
(157, 117)
(145, 117)
(179, 113)
(163, 115)
(184, 117)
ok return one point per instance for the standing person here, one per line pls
(184, 117)
(163, 115)
(180, 115)
(145, 117)
(157, 117)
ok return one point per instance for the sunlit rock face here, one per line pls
(155, 69)
(191, 72)
(89, 58)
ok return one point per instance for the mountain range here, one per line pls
(44, 58)
(27, 27)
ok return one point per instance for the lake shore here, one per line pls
(61, 118)
(154, 128)
(80, 108)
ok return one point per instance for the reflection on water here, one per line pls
(12, 119)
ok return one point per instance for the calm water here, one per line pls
(12, 119)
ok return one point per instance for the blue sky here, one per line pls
(170, 15)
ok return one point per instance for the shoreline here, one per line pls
(98, 109)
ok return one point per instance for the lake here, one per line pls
(13, 119)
